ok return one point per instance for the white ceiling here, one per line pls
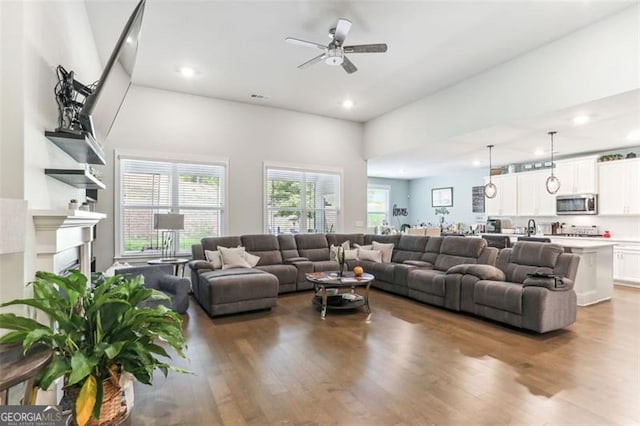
(238, 48)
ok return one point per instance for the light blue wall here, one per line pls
(398, 195)
(420, 209)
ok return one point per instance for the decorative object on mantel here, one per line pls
(93, 362)
(169, 223)
(490, 190)
(73, 204)
(553, 183)
(442, 211)
(613, 157)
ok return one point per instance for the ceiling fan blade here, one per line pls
(313, 61)
(342, 29)
(305, 43)
(366, 48)
(348, 66)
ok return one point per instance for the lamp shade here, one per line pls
(168, 221)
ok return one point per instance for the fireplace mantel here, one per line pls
(58, 232)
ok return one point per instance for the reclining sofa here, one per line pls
(457, 273)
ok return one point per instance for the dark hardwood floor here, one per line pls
(412, 364)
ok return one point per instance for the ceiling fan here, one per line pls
(334, 53)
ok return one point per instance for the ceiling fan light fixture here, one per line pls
(335, 56)
(347, 104)
(553, 183)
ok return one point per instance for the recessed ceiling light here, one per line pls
(347, 104)
(187, 72)
(538, 152)
(129, 40)
(634, 135)
(579, 120)
(476, 163)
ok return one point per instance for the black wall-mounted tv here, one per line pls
(102, 105)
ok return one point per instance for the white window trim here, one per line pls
(387, 202)
(298, 167)
(158, 156)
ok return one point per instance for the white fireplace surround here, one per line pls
(61, 232)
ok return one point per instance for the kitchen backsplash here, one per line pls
(619, 227)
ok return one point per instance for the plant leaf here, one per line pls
(86, 400)
(57, 367)
(99, 396)
(15, 322)
(81, 366)
(37, 335)
(113, 350)
(13, 337)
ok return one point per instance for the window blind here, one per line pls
(301, 201)
(150, 187)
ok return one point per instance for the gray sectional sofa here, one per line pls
(457, 273)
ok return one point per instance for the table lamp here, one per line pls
(169, 223)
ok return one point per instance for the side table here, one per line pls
(177, 262)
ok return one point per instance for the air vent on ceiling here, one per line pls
(259, 97)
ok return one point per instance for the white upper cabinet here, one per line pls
(505, 202)
(533, 198)
(577, 176)
(619, 187)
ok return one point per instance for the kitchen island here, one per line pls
(594, 280)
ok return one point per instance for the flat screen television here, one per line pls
(101, 107)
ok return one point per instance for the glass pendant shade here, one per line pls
(553, 183)
(490, 190)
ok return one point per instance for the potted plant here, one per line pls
(96, 333)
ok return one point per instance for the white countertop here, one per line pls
(581, 243)
(613, 240)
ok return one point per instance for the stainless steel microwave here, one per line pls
(577, 204)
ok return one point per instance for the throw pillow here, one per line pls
(386, 249)
(252, 259)
(233, 258)
(333, 250)
(372, 255)
(367, 247)
(351, 254)
(214, 258)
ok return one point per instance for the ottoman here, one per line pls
(229, 291)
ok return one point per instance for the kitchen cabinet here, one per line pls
(532, 196)
(619, 187)
(505, 202)
(577, 176)
(626, 263)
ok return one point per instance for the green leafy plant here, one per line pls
(96, 332)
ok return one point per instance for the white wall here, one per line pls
(36, 37)
(158, 121)
(595, 62)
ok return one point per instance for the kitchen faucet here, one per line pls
(531, 227)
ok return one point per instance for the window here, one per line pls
(149, 187)
(301, 201)
(377, 205)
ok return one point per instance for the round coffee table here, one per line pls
(329, 282)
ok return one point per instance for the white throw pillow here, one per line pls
(372, 255)
(333, 250)
(214, 258)
(351, 254)
(233, 258)
(386, 249)
(252, 259)
(367, 247)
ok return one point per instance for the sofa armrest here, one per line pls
(174, 285)
(293, 260)
(482, 272)
(550, 283)
(418, 263)
(199, 265)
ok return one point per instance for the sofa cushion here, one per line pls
(536, 254)
(288, 247)
(212, 243)
(338, 239)
(371, 255)
(233, 257)
(265, 246)
(410, 247)
(385, 248)
(382, 271)
(286, 274)
(427, 281)
(325, 265)
(446, 261)
(463, 247)
(385, 239)
(499, 295)
(312, 246)
(432, 250)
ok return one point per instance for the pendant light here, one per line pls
(490, 190)
(553, 183)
